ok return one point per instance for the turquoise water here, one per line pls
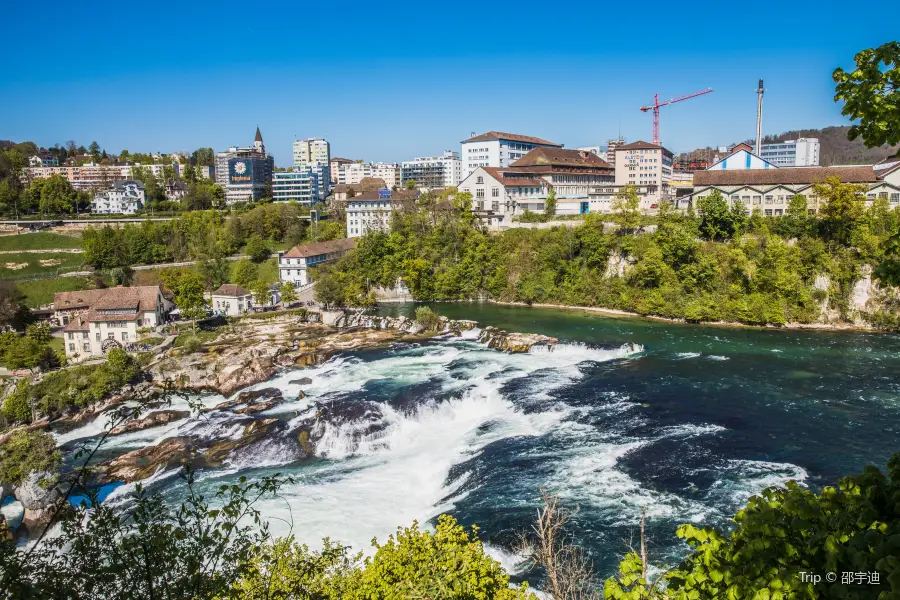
(687, 421)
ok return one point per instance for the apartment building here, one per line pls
(43, 159)
(802, 152)
(294, 265)
(124, 197)
(354, 173)
(372, 209)
(311, 152)
(93, 176)
(302, 187)
(336, 164)
(95, 321)
(611, 147)
(433, 172)
(497, 149)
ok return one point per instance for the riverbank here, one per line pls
(624, 313)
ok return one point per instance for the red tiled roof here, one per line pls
(231, 290)
(513, 137)
(317, 248)
(558, 157)
(499, 174)
(141, 298)
(79, 323)
(785, 175)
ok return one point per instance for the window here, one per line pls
(495, 192)
(124, 336)
(71, 347)
(71, 336)
(111, 335)
(479, 180)
(479, 193)
(98, 336)
(895, 197)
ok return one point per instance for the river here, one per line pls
(686, 420)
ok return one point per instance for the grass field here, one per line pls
(41, 240)
(43, 263)
(38, 293)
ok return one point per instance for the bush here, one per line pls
(427, 318)
(257, 249)
(26, 452)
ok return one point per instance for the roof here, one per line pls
(513, 137)
(498, 174)
(232, 290)
(79, 323)
(120, 184)
(258, 137)
(141, 298)
(317, 248)
(640, 145)
(372, 181)
(372, 195)
(789, 175)
(558, 157)
(79, 299)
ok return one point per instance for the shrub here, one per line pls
(427, 318)
(26, 452)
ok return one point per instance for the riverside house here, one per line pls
(293, 265)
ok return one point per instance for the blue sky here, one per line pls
(391, 81)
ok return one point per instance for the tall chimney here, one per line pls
(759, 97)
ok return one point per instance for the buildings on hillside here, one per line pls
(770, 190)
(802, 152)
(124, 197)
(245, 173)
(336, 164)
(294, 265)
(499, 194)
(95, 321)
(497, 149)
(433, 172)
(302, 187)
(354, 172)
(311, 152)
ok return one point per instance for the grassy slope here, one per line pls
(41, 292)
(68, 261)
(41, 240)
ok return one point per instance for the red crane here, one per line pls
(655, 108)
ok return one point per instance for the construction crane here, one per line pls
(655, 108)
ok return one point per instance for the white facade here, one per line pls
(497, 149)
(231, 304)
(802, 152)
(311, 152)
(742, 159)
(365, 215)
(294, 265)
(124, 198)
(354, 173)
(648, 167)
(433, 172)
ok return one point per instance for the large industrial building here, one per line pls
(497, 149)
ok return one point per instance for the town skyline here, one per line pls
(396, 100)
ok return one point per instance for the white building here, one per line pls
(302, 187)
(497, 149)
(311, 152)
(433, 172)
(123, 198)
(740, 158)
(231, 300)
(353, 173)
(245, 173)
(294, 265)
(802, 152)
(99, 320)
(43, 159)
(369, 211)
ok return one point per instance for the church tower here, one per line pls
(258, 142)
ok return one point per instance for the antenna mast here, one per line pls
(759, 97)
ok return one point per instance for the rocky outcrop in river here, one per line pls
(499, 339)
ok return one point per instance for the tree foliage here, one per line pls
(871, 94)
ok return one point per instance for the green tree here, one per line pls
(261, 293)
(288, 293)
(94, 150)
(411, 184)
(328, 289)
(718, 221)
(25, 452)
(626, 208)
(427, 318)
(57, 196)
(871, 95)
(39, 332)
(245, 272)
(257, 249)
(842, 208)
(13, 312)
(28, 353)
(214, 271)
(888, 270)
(550, 205)
(796, 217)
(189, 297)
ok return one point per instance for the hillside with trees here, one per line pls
(836, 147)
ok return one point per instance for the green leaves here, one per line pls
(871, 94)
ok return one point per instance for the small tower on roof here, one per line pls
(258, 142)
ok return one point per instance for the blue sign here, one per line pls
(384, 193)
(240, 170)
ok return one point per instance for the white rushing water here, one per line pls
(398, 463)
